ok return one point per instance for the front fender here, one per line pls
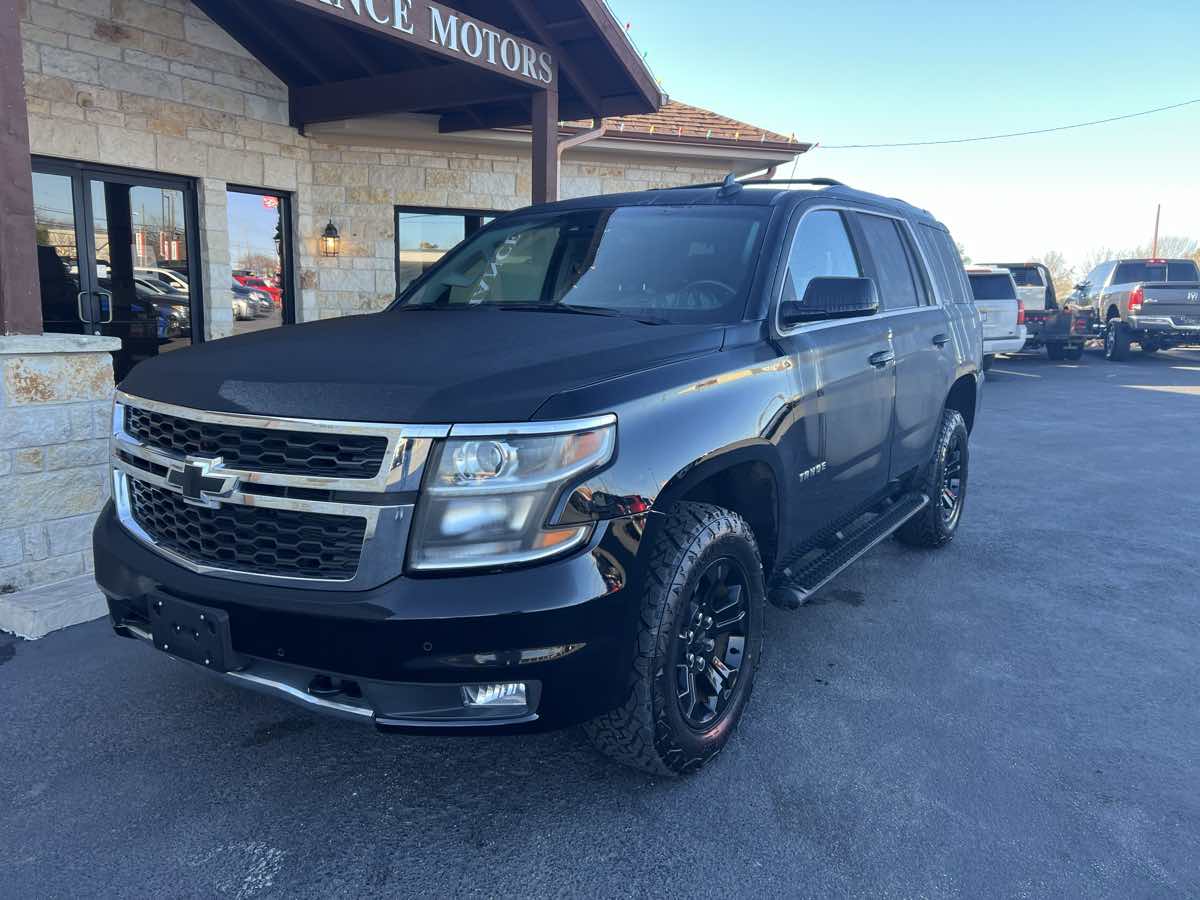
(679, 424)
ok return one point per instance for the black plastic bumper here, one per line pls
(431, 631)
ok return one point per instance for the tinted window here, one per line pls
(820, 247)
(897, 285)
(1135, 272)
(1026, 276)
(993, 287)
(682, 264)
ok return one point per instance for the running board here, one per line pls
(794, 586)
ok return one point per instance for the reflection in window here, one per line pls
(58, 255)
(423, 237)
(257, 245)
(821, 248)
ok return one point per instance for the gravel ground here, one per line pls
(1014, 715)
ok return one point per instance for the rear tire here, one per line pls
(1073, 354)
(1116, 341)
(944, 482)
(691, 678)
(1055, 351)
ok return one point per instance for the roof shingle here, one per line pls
(692, 124)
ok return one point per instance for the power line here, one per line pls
(1011, 134)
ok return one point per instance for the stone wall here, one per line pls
(156, 85)
(55, 408)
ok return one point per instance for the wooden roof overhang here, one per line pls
(352, 58)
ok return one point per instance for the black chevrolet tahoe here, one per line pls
(557, 480)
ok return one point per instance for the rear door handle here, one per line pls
(882, 358)
(941, 339)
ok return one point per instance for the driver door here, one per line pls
(839, 444)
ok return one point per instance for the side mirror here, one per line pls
(1082, 287)
(831, 297)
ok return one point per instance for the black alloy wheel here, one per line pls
(711, 644)
(950, 498)
(698, 643)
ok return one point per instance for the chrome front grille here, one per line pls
(261, 449)
(276, 542)
(312, 503)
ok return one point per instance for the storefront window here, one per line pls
(423, 236)
(113, 257)
(259, 248)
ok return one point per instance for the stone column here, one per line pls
(55, 407)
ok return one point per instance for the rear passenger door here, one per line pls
(919, 333)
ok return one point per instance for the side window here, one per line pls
(898, 283)
(821, 247)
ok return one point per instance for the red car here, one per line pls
(261, 284)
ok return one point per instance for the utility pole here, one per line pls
(1157, 216)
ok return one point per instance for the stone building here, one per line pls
(161, 146)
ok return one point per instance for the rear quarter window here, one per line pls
(947, 265)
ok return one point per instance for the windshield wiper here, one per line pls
(579, 311)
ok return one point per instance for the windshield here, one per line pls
(1139, 272)
(993, 287)
(668, 263)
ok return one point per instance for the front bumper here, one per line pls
(403, 650)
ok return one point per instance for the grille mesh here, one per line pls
(261, 449)
(260, 540)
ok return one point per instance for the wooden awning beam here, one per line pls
(418, 91)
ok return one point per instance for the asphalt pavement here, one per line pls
(1016, 715)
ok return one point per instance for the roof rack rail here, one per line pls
(730, 180)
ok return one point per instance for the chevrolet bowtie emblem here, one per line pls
(201, 482)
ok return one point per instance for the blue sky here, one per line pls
(869, 72)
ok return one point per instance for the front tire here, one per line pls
(698, 645)
(944, 482)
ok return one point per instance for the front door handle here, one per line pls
(941, 339)
(882, 358)
(105, 319)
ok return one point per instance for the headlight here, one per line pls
(488, 499)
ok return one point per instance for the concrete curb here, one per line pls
(37, 612)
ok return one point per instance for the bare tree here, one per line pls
(1062, 274)
(962, 251)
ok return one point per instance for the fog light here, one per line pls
(492, 695)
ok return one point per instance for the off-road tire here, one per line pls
(929, 527)
(648, 731)
(1116, 341)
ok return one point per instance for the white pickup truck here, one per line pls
(1035, 284)
(1000, 310)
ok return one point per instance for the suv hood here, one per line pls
(432, 366)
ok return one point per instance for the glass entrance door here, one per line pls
(114, 253)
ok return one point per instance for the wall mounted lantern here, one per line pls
(331, 241)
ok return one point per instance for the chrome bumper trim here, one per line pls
(364, 713)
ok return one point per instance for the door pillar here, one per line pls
(20, 296)
(545, 143)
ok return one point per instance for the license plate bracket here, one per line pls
(195, 633)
